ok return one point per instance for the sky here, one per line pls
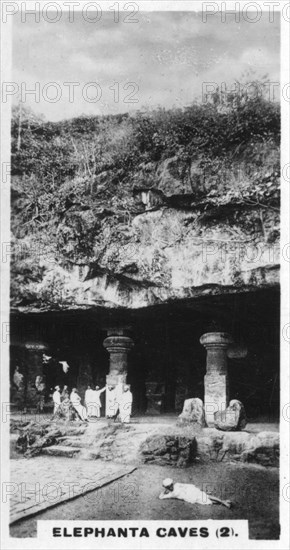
(163, 59)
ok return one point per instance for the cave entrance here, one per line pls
(167, 363)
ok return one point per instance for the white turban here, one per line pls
(167, 482)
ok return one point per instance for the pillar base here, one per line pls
(216, 395)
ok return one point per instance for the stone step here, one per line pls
(61, 450)
(89, 454)
(71, 441)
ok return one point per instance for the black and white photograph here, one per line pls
(145, 291)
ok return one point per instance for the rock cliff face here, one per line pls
(134, 211)
(169, 254)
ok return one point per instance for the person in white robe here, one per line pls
(189, 493)
(56, 397)
(77, 405)
(125, 404)
(111, 402)
(94, 404)
(88, 398)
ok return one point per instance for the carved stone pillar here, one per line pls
(216, 393)
(118, 344)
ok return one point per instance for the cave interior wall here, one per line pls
(167, 350)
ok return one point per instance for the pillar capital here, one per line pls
(216, 340)
(118, 344)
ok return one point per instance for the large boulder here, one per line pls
(264, 449)
(234, 444)
(232, 419)
(261, 448)
(169, 450)
(35, 436)
(192, 413)
(209, 443)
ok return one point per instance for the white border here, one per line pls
(283, 543)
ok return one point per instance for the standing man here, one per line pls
(76, 403)
(125, 404)
(111, 402)
(95, 403)
(56, 397)
(88, 399)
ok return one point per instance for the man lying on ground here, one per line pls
(189, 493)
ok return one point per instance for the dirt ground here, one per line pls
(254, 491)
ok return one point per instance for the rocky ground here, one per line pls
(253, 489)
(97, 453)
(137, 442)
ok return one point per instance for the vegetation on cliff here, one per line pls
(73, 181)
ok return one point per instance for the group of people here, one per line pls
(118, 403)
(68, 405)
